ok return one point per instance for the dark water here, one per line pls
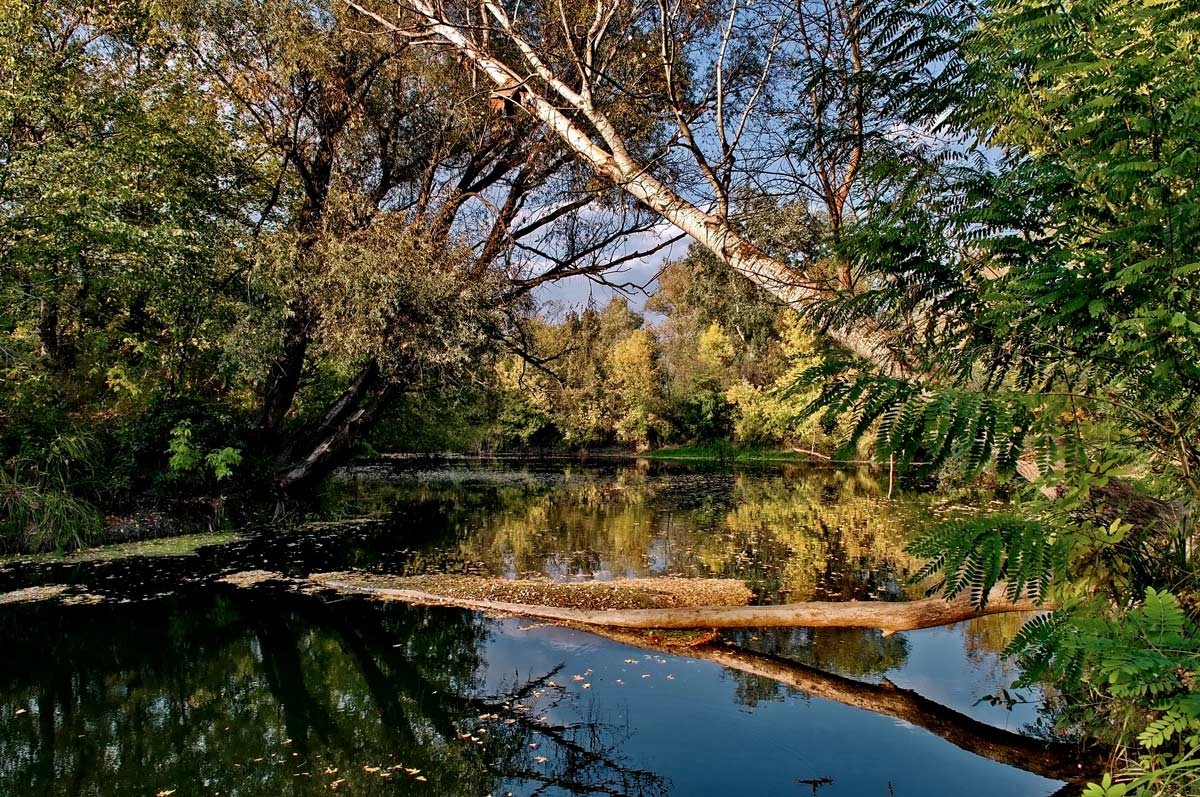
(179, 682)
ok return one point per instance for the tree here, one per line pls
(558, 64)
(386, 159)
(637, 387)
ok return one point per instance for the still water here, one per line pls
(177, 682)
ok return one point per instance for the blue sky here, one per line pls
(556, 298)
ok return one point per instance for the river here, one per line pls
(152, 675)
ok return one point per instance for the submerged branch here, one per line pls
(643, 628)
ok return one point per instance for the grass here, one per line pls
(183, 545)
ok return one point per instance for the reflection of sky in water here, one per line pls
(705, 729)
(935, 667)
(689, 727)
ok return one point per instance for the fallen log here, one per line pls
(889, 617)
(1058, 760)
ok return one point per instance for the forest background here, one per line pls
(243, 241)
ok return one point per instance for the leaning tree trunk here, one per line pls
(339, 432)
(301, 443)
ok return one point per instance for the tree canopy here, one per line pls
(242, 240)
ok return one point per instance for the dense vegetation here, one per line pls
(237, 236)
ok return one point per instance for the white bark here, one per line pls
(610, 158)
(886, 616)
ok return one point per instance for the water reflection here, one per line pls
(277, 695)
(269, 693)
(801, 534)
(179, 682)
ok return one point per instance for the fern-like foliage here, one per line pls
(1048, 645)
(972, 556)
(1142, 664)
(924, 429)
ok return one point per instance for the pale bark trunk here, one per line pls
(888, 617)
(613, 162)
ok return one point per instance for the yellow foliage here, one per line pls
(765, 414)
(632, 365)
(715, 347)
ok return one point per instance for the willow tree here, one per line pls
(407, 222)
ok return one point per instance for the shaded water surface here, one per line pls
(177, 681)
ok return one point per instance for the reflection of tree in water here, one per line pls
(852, 652)
(793, 536)
(282, 695)
(987, 637)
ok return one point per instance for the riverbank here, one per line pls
(713, 452)
(727, 454)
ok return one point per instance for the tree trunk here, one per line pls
(888, 617)
(283, 380)
(334, 416)
(337, 439)
(59, 352)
